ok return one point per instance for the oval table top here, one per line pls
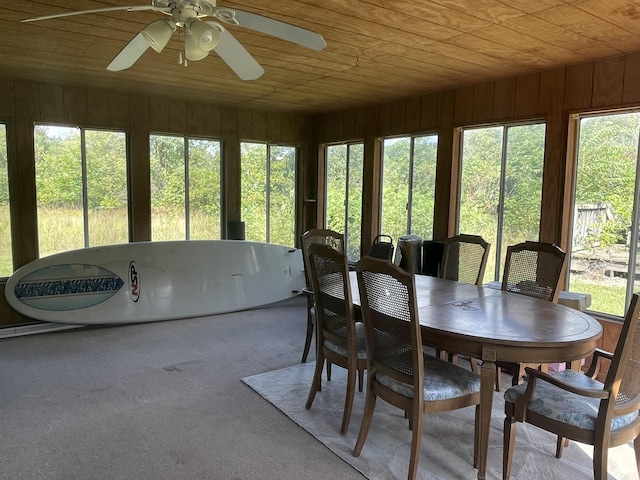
(486, 315)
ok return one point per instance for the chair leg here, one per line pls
(498, 379)
(507, 447)
(307, 341)
(317, 380)
(476, 437)
(416, 438)
(636, 447)
(360, 380)
(517, 376)
(367, 416)
(348, 401)
(600, 458)
(560, 444)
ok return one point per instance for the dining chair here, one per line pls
(574, 405)
(464, 259)
(323, 237)
(398, 370)
(532, 269)
(381, 247)
(340, 338)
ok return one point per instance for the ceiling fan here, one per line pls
(200, 36)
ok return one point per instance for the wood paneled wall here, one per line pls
(550, 95)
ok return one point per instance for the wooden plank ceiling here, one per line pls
(377, 50)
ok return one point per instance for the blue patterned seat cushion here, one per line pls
(361, 344)
(567, 407)
(442, 381)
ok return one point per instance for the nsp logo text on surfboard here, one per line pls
(134, 282)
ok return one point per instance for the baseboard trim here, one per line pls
(20, 330)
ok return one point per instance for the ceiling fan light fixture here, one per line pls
(192, 50)
(207, 36)
(157, 34)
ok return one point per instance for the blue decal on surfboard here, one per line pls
(67, 287)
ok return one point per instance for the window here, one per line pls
(501, 187)
(344, 194)
(604, 251)
(185, 188)
(268, 186)
(81, 184)
(6, 257)
(408, 185)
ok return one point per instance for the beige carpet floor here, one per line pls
(447, 443)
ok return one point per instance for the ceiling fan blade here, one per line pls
(236, 56)
(272, 27)
(129, 54)
(96, 10)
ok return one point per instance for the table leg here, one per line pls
(487, 378)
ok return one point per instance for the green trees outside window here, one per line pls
(604, 252)
(6, 257)
(81, 185)
(185, 188)
(268, 189)
(501, 187)
(408, 185)
(344, 194)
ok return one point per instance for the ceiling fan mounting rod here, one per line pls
(196, 8)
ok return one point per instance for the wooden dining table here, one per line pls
(493, 325)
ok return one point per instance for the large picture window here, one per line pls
(408, 185)
(81, 184)
(6, 257)
(344, 194)
(501, 187)
(604, 250)
(268, 189)
(185, 188)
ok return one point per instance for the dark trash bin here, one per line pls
(432, 251)
(410, 247)
(235, 231)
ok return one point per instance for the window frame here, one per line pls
(498, 248)
(186, 179)
(349, 145)
(268, 185)
(409, 207)
(82, 130)
(6, 123)
(573, 152)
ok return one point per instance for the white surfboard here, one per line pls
(151, 281)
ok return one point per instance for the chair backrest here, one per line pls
(323, 237)
(623, 377)
(465, 258)
(533, 269)
(329, 272)
(382, 247)
(389, 311)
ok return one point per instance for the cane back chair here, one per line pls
(340, 339)
(398, 371)
(576, 406)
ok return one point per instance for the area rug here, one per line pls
(447, 442)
